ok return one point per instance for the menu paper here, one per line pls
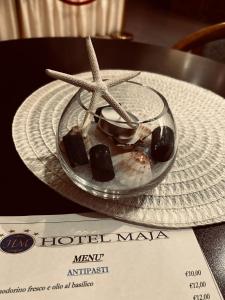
(94, 257)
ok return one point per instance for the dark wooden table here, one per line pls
(22, 69)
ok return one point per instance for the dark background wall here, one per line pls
(206, 10)
(164, 22)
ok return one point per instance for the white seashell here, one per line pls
(96, 136)
(132, 169)
(143, 133)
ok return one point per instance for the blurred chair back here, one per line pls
(38, 18)
(208, 41)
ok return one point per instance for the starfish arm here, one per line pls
(120, 79)
(118, 108)
(93, 60)
(90, 110)
(71, 79)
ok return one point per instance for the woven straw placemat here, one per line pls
(192, 194)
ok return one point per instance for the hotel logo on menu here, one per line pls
(17, 243)
(20, 242)
(14, 243)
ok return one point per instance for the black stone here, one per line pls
(162, 144)
(75, 148)
(98, 112)
(101, 163)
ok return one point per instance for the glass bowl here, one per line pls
(113, 159)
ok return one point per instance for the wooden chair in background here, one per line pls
(208, 41)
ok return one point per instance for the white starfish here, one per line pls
(98, 87)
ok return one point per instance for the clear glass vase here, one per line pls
(113, 159)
